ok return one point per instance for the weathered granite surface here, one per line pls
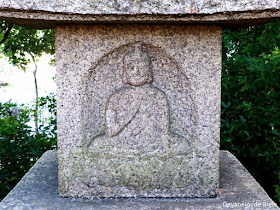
(140, 6)
(144, 123)
(49, 13)
(38, 190)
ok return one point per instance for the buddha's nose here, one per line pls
(136, 69)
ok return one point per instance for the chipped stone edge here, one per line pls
(44, 19)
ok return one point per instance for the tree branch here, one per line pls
(37, 95)
(7, 33)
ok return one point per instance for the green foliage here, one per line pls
(277, 191)
(19, 146)
(48, 125)
(250, 125)
(23, 42)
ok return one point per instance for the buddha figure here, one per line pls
(137, 115)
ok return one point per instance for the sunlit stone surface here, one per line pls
(139, 110)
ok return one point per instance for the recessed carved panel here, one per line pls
(138, 119)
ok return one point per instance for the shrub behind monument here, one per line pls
(19, 146)
(250, 126)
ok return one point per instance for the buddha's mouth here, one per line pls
(138, 81)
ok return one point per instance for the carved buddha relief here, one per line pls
(137, 119)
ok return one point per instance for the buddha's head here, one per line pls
(137, 67)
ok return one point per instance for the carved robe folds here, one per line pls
(136, 121)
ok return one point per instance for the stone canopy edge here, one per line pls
(43, 19)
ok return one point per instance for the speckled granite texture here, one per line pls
(49, 13)
(138, 110)
(140, 6)
(38, 190)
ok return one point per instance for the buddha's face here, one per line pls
(137, 71)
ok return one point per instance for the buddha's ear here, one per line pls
(150, 78)
(124, 75)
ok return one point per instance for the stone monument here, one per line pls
(139, 110)
(138, 86)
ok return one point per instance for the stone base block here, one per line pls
(38, 189)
